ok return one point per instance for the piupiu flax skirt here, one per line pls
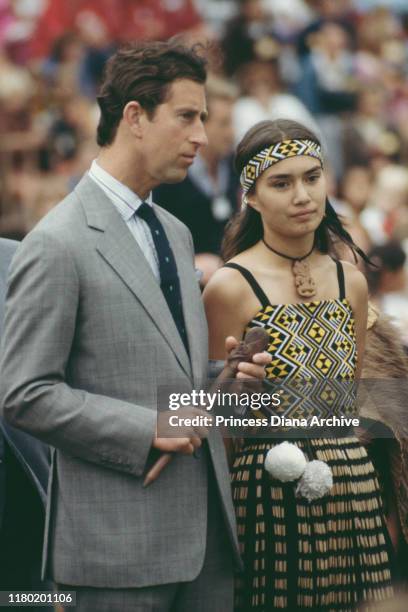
(329, 554)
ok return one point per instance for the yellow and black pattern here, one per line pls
(274, 154)
(332, 553)
(311, 339)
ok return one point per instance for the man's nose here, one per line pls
(301, 193)
(199, 136)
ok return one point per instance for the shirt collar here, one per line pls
(125, 200)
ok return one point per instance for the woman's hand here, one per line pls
(254, 370)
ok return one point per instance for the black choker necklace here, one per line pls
(304, 283)
(288, 256)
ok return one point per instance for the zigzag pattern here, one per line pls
(276, 153)
(311, 341)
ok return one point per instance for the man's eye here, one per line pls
(313, 178)
(281, 185)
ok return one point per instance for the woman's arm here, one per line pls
(229, 306)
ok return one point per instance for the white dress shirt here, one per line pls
(126, 203)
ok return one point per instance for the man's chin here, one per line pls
(176, 176)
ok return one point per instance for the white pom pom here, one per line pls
(285, 462)
(316, 481)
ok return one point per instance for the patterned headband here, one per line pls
(274, 154)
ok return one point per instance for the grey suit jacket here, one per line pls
(32, 455)
(7, 250)
(88, 339)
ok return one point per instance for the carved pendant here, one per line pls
(304, 283)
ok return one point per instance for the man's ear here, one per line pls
(133, 115)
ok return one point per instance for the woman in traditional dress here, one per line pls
(318, 541)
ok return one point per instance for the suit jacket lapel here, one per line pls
(121, 251)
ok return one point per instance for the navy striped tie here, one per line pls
(169, 280)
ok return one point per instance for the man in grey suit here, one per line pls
(95, 324)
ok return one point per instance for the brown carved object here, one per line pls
(256, 340)
(304, 283)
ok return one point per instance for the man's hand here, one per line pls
(185, 446)
(189, 437)
(254, 370)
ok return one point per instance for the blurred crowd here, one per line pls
(340, 68)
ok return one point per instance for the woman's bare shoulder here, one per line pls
(356, 290)
(354, 279)
(226, 284)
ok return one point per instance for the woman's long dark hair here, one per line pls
(245, 229)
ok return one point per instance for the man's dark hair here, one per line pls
(144, 72)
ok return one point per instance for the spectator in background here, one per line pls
(368, 135)
(19, 142)
(73, 123)
(386, 217)
(216, 13)
(327, 86)
(289, 16)
(17, 88)
(77, 59)
(45, 125)
(356, 188)
(208, 197)
(321, 12)
(379, 45)
(97, 18)
(62, 69)
(355, 191)
(248, 36)
(387, 283)
(114, 21)
(265, 98)
(17, 24)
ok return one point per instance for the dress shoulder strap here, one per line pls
(249, 277)
(340, 278)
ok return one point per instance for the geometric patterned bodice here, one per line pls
(307, 339)
(310, 341)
